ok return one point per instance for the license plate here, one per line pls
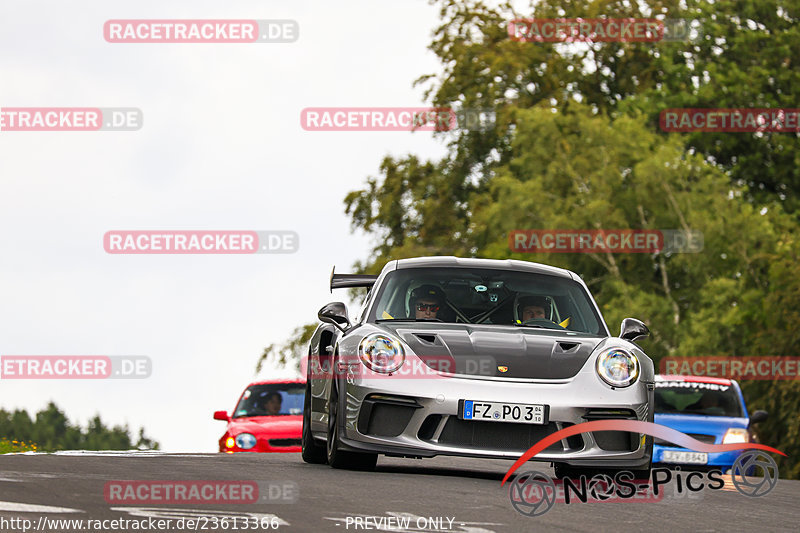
(503, 412)
(692, 458)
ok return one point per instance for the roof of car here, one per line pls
(471, 262)
(276, 381)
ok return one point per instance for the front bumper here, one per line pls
(273, 444)
(419, 418)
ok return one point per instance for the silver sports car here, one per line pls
(474, 358)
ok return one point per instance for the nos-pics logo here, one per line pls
(533, 493)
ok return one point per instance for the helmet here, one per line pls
(431, 292)
(523, 301)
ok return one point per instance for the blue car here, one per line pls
(711, 410)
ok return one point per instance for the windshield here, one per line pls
(692, 398)
(486, 296)
(274, 399)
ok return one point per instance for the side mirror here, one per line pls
(335, 313)
(758, 416)
(632, 330)
(222, 415)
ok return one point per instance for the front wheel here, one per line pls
(338, 458)
(312, 452)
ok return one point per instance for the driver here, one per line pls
(530, 307)
(709, 400)
(272, 403)
(426, 301)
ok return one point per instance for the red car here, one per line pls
(268, 418)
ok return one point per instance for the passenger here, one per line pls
(530, 307)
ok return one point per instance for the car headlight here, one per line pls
(618, 367)
(245, 441)
(735, 436)
(381, 353)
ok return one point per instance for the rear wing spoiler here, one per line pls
(343, 281)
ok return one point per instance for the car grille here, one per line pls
(613, 441)
(705, 439)
(616, 441)
(428, 427)
(383, 419)
(284, 443)
(496, 435)
(610, 414)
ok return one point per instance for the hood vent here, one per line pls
(566, 347)
(424, 337)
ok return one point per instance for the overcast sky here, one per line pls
(221, 148)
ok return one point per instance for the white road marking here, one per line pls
(131, 453)
(17, 507)
(119, 453)
(24, 476)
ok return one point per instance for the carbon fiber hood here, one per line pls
(497, 351)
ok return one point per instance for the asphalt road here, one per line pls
(430, 495)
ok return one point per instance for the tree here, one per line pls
(742, 55)
(52, 431)
(146, 443)
(577, 145)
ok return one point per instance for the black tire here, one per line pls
(312, 452)
(338, 458)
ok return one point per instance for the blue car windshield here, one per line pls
(274, 399)
(486, 296)
(695, 398)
